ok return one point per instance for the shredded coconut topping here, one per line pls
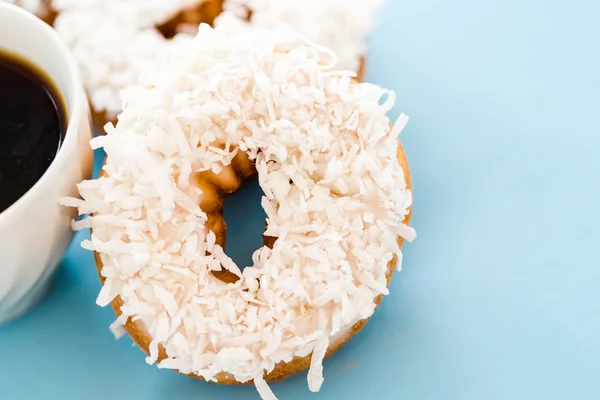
(113, 41)
(334, 194)
(341, 25)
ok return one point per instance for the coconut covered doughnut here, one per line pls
(114, 40)
(336, 196)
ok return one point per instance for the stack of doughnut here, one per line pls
(114, 40)
(227, 104)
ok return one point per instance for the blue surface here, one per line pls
(498, 298)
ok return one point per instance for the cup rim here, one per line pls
(75, 110)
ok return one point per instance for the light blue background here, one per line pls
(499, 296)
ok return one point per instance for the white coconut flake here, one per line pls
(118, 327)
(315, 373)
(263, 389)
(340, 25)
(335, 196)
(399, 125)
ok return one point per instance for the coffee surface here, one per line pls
(32, 126)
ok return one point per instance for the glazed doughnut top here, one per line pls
(334, 194)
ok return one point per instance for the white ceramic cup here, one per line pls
(35, 231)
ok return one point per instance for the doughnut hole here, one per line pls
(232, 200)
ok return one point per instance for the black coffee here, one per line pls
(32, 126)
